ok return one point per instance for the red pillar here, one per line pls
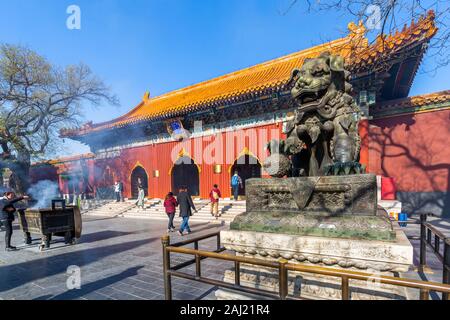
(364, 134)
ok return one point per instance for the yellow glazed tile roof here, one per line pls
(272, 74)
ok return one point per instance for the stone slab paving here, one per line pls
(118, 259)
(121, 259)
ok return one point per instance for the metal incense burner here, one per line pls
(62, 221)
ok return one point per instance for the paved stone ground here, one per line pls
(119, 259)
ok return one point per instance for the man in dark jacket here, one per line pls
(7, 210)
(186, 204)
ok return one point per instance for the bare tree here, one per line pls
(388, 16)
(37, 99)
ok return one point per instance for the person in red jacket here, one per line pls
(214, 196)
(170, 204)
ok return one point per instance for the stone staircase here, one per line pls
(154, 209)
(110, 209)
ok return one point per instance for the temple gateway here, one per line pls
(200, 135)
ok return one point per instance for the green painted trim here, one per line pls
(410, 110)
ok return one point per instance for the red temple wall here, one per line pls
(43, 172)
(75, 166)
(161, 157)
(413, 149)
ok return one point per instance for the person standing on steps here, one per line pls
(236, 183)
(170, 204)
(118, 190)
(7, 210)
(186, 204)
(121, 192)
(214, 197)
(141, 197)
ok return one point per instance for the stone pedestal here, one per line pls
(332, 206)
(371, 256)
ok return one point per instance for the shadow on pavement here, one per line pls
(93, 286)
(102, 235)
(12, 276)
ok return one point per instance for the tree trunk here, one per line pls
(20, 177)
(23, 177)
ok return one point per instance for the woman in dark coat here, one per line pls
(186, 204)
(7, 216)
(170, 204)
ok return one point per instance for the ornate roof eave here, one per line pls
(85, 156)
(81, 134)
(419, 103)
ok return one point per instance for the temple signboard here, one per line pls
(108, 154)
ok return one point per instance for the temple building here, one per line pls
(200, 135)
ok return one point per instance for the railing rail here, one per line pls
(283, 267)
(432, 237)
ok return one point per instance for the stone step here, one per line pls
(154, 214)
(162, 209)
(110, 209)
(178, 220)
(148, 201)
(155, 210)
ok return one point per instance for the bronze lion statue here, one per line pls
(322, 135)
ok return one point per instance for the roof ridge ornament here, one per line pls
(146, 97)
(358, 30)
(357, 36)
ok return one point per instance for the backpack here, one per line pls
(234, 180)
(215, 195)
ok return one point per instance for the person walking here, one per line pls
(214, 197)
(236, 182)
(170, 204)
(7, 210)
(141, 197)
(186, 204)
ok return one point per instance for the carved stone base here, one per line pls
(324, 196)
(375, 257)
(335, 206)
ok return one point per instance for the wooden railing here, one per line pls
(283, 267)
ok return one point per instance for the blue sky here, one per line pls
(161, 45)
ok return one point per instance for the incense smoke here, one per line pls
(44, 192)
